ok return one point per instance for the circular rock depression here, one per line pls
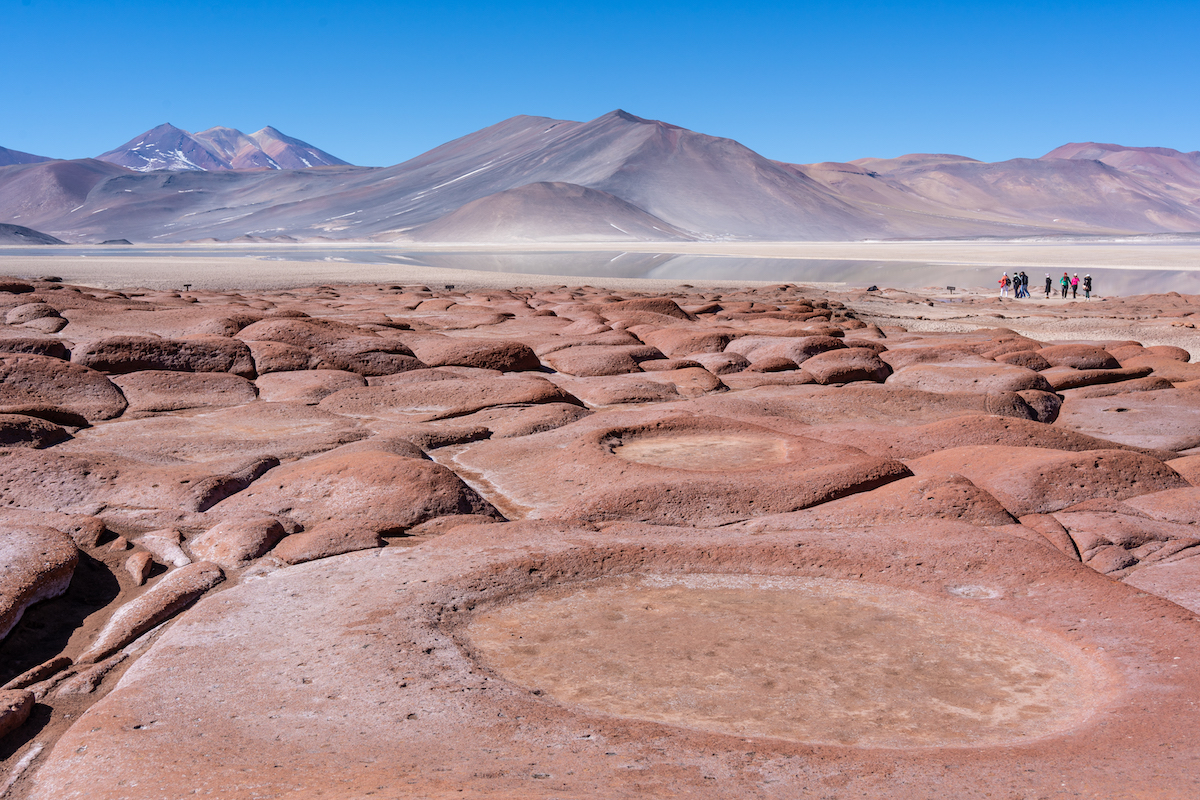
(810, 660)
(704, 451)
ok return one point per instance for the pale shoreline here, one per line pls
(275, 266)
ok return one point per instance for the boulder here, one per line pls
(978, 376)
(36, 563)
(309, 386)
(505, 356)
(121, 354)
(34, 379)
(15, 707)
(174, 592)
(237, 541)
(1033, 480)
(1078, 356)
(794, 348)
(327, 539)
(335, 345)
(686, 341)
(378, 490)
(165, 390)
(19, 430)
(847, 365)
(431, 400)
(594, 360)
(1165, 419)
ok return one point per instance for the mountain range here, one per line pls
(617, 178)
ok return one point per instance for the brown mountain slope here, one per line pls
(548, 212)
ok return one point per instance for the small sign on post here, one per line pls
(950, 289)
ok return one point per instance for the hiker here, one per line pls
(1075, 287)
(1004, 285)
(1024, 283)
(1064, 282)
(1048, 282)
(1087, 287)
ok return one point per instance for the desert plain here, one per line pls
(310, 529)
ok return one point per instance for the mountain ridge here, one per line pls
(617, 172)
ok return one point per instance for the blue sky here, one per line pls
(378, 83)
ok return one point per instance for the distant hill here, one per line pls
(8, 157)
(548, 212)
(216, 149)
(616, 178)
(16, 234)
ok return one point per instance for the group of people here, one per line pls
(1020, 285)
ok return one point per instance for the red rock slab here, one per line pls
(1034, 480)
(432, 400)
(669, 468)
(36, 563)
(171, 594)
(601, 392)
(948, 497)
(968, 376)
(1165, 367)
(106, 484)
(19, 430)
(28, 342)
(1188, 467)
(846, 366)
(270, 357)
(1181, 505)
(34, 379)
(235, 542)
(1029, 359)
(504, 423)
(595, 360)
(605, 338)
(121, 354)
(103, 320)
(379, 672)
(335, 345)
(900, 356)
(432, 374)
(1079, 356)
(794, 348)
(86, 531)
(282, 430)
(721, 363)
(1168, 419)
(15, 707)
(1045, 405)
(1110, 543)
(907, 442)
(379, 491)
(327, 539)
(1177, 581)
(883, 404)
(164, 390)
(686, 341)
(1150, 384)
(505, 356)
(305, 386)
(1063, 378)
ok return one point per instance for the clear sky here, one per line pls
(377, 83)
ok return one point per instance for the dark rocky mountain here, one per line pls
(216, 149)
(616, 178)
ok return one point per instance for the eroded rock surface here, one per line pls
(577, 541)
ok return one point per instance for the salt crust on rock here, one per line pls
(414, 711)
(36, 563)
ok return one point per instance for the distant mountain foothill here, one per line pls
(617, 178)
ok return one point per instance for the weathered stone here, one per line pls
(18, 430)
(15, 707)
(33, 379)
(234, 542)
(36, 563)
(845, 366)
(165, 390)
(172, 593)
(122, 354)
(327, 539)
